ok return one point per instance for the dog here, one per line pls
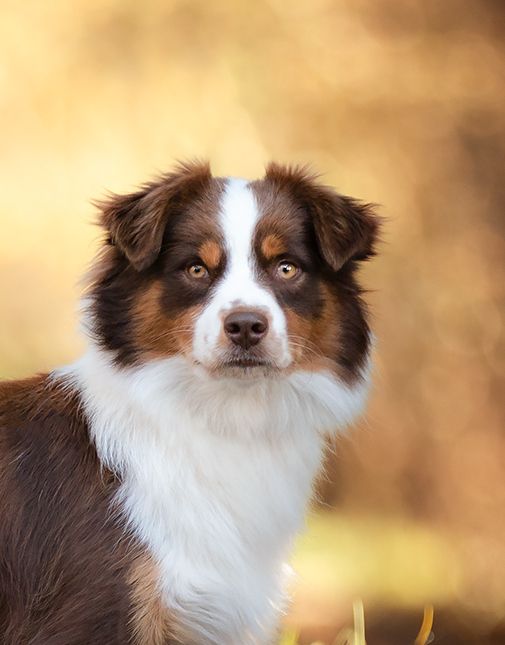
(151, 491)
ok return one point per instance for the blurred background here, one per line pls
(401, 103)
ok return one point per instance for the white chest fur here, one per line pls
(216, 476)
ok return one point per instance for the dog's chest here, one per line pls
(218, 515)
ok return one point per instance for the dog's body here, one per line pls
(150, 492)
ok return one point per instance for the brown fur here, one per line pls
(327, 234)
(65, 560)
(136, 222)
(211, 254)
(150, 621)
(273, 246)
(346, 229)
(140, 300)
(155, 333)
(313, 341)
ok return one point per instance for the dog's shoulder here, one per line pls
(64, 563)
(40, 413)
(17, 396)
(47, 461)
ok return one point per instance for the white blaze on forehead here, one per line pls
(238, 218)
(239, 286)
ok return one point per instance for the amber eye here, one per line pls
(287, 270)
(197, 271)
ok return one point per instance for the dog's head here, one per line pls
(241, 278)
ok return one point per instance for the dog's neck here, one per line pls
(216, 477)
(161, 395)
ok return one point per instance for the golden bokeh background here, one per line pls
(398, 103)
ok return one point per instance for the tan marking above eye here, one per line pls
(210, 252)
(287, 270)
(197, 271)
(272, 246)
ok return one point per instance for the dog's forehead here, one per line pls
(283, 223)
(235, 216)
(196, 219)
(238, 216)
(259, 214)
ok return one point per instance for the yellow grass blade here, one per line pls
(289, 637)
(359, 623)
(425, 631)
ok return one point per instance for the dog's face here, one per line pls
(244, 279)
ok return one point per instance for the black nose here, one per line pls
(245, 328)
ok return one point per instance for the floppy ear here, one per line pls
(345, 228)
(136, 222)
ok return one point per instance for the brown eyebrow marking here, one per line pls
(210, 252)
(273, 246)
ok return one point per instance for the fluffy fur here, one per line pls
(202, 451)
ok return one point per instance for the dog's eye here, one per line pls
(197, 271)
(287, 270)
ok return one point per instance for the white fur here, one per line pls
(239, 286)
(216, 476)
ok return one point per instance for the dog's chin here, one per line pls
(242, 368)
(247, 370)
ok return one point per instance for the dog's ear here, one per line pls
(345, 228)
(136, 222)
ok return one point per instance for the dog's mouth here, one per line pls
(246, 363)
(246, 367)
(243, 366)
(235, 363)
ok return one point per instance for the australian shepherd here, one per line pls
(150, 492)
